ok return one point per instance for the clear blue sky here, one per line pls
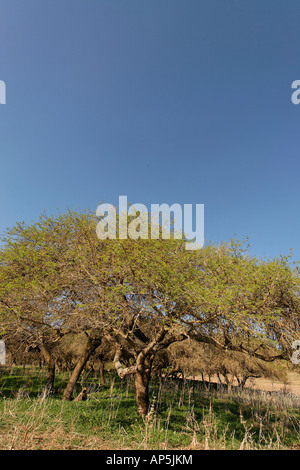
(185, 101)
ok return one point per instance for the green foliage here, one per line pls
(57, 276)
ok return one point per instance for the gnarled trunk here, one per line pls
(142, 379)
(143, 364)
(92, 345)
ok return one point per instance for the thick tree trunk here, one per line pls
(50, 363)
(142, 379)
(143, 365)
(92, 345)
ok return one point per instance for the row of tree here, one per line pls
(186, 360)
(140, 297)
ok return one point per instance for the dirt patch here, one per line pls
(292, 386)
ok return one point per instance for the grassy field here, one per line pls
(184, 415)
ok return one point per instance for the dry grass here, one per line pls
(37, 429)
(183, 416)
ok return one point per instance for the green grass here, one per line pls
(182, 415)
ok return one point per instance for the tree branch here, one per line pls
(122, 371)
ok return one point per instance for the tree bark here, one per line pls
(142, 373)
(142, 379)
(92, 345)
(143, 364)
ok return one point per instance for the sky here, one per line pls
(164, 101)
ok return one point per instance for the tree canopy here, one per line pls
(58, 278)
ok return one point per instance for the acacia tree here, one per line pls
(143, 295)
(29, 284)
(37, 301)
(148, 294)
(58, 277)
(130, 288)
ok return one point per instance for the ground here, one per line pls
(184, 415)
